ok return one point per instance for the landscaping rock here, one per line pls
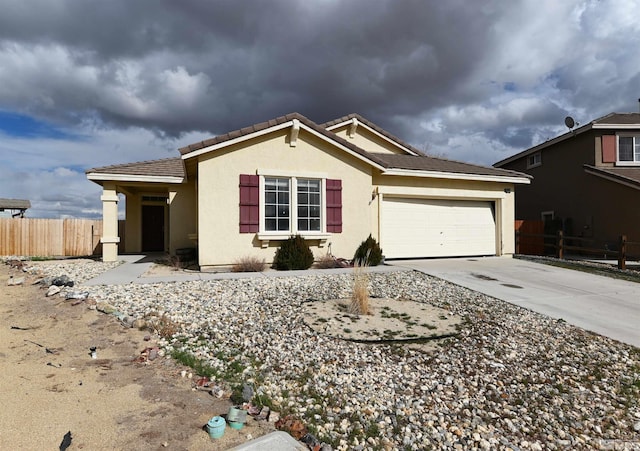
(53, 290)
(15, 281)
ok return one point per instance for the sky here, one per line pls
(88, 83)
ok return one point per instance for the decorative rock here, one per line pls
(15, 281)
(62, 281)
(106, 308)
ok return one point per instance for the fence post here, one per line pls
(517, 242)
(560, 245)
(622, 253)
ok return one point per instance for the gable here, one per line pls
(368, 140)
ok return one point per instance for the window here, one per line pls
(534, 160)
(308, 205)
(276, 204)
(629, 149)
(279, 204)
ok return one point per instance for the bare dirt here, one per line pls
(50, 385)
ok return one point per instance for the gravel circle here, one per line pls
(513, 379)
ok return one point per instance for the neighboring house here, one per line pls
(14, 207)
(586, 180)
(242, 193)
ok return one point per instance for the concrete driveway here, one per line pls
(600, 304)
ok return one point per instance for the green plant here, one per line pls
(294, 253)
(368, 253)
(248, 264)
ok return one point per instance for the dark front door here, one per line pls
(152, 228)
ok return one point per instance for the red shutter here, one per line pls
(249, 203)
(608, 148)
(334, 206)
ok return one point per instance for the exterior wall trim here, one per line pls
(457, 176)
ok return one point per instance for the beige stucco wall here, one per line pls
(398, 186)
(182, 216)
(367, 140)
(219, 239)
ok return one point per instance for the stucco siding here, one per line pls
(182, 216)
(219, 239)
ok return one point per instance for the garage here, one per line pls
(416, 227)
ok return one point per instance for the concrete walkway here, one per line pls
(604, 305)
(135, 266)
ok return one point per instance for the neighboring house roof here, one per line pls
(390, 164)
(170, 170)
(612, 121)
(14, 204)
(629, 176)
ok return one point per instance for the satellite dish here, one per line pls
(569, 122)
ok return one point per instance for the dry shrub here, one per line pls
(249, 264)
(360, 298)
(166, 327)
(327, 262)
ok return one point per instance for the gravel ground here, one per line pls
(513, 379)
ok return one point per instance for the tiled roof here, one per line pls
(627, 175)
(277, 121)
(619, 119)
(14, 204)
(374, 127)
(167, 167)
(426, 163)
(174, 167)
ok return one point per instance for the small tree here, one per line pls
(294, 253)
(368, 253)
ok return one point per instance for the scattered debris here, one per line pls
(20, 328)
(93, 351)
(54, 365)
(66, 441)
(311, 441)
(293, 426)
(53, 290)
(149, 355)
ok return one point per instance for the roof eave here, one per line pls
(459, 176)
(611, 177)
(111, 177)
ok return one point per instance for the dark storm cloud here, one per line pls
(248, 61)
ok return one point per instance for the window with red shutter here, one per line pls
(334, 205)
(249, 203)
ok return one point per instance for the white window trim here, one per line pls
(625, 135)
(550, 213)
(534, 165)
(271, 235)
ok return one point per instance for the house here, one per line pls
(15, 207)
(586, 180)
(240, 194)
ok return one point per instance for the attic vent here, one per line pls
(154, 198)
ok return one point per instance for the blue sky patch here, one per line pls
(22, 126)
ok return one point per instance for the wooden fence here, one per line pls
(561, 244)
(50, 237)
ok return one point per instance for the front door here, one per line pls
(152, 228)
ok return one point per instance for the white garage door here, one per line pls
(413, 228)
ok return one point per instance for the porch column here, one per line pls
(110, 238)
